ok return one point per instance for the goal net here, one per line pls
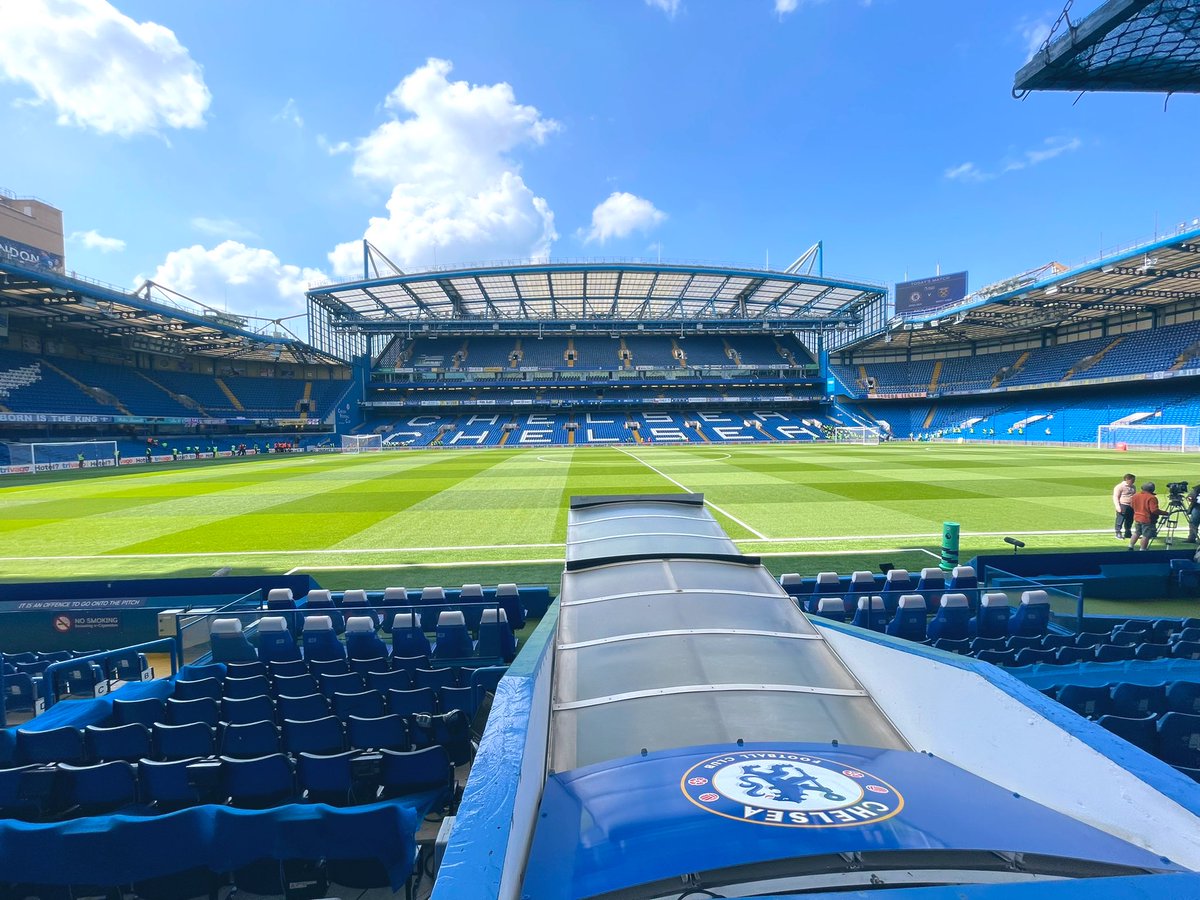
(361, 443)
(855, 434)
(1148, 437)
(64, 454)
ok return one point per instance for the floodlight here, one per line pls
(1050, 291)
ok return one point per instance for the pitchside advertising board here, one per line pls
(30, 257)
(914, 298)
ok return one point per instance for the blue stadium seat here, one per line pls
(988, 643)
(395, 596)
(828, 584)
(120, 742)
(186, 689)
(431, 602)
(355, 603)
(963, 580)
(320, 602)
(17, 799)
(791, 582)
(243, 711)
(99, 789)
(346, 683)
(508, 595)
(327, 778)
(183, 741)
(280, 598)
(1068, 655)
(1029, 656)
(1137, 700)
(320, 641)
(166, 784)
(1188, 634)
(1179, 739)
(992, 618)
(1137, 626)
(183, 712)
(1151, 651)
(275, 642)
(496, 639)
(831, 608)
(486, 680)
(248, 741)
(361, 640)
(1184, 697)
(246, 669)
(1091, 701)
(242, 688)
(1003, 658)
(1051, 641)
(464, 698)
(952, 620)
(53, 745)
(321, 735)
(128, 666)
(909, 621)
(470, 603)
(1018, 642)
(451, 730)
(1185, 650)
(435, 678)
(367, 704)
(79, 678)
(393, 680)
(258, 783)
(387, 732)
(321, 667)
(408, 703)
(410, 664)
(366, 667)
(1122, 638)
(295, 685)
(417, 771)
(932, 584)
(862, 584)
(1032, 616)
(407, 637)
(1112, 653)
(1138, 730)
(229, 643)
(287, 668)
(870, 614)
(453, 639)
(896, 583)
(960, 646)
(145, 711)
(21, 692)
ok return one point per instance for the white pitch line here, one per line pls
(661, 474)
(326, 552)
(433, 565)
(914, 537)
(850, 552)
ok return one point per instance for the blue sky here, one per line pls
(239, 151)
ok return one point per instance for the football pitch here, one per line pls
(444, 516)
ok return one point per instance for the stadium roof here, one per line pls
(160, 322)
(629, 291)
(1125, 45)
(1158, 274)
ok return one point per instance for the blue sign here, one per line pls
(30, 257)
(930, 294)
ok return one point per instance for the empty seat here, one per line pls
(462, 698)
(1018, 642)
(241, 688)
(495, 637)
(832, 608)
(1029, 656)
(1185, 650)
(1003, 658)
(295, 685)
(246, 669)
(961, 646)
(932, 583)
(202, 709)
(1112, 653)
(346, 683)
(383, 682)
(909, 621)
(80, 678)
(287, 668)
(361, 640)
(1184, 697)
(21, 692)
(275, 641)
(416, 771)
(327, 778)
(320, 641)
(453, 639)
(120, 742)
(862, 583)
(1056, 641)
(896, 583)
(53, 745)
(1151, 651)
(312, 706)
(128, 666)
(963, 579)
(367, 704)
(508, 595)
(321, 667)
(791, 583)
(1090, 639)
(258, 783)
(1068, 655)
(395, 596)
(249, 709)
(1092, 701)
(246, 741)
(355, 603)
(182, 741)
(1137, 700)
(320, 602)
(435, 678)
(280, 598)
(1138, 730)
(145, 711)
(408, 703)
(407, 637)
(321, 735)
(410, 664)
(1032, 616)
(229, 644)
(828, 584)
(186, 689)
(952, 619)
(98, 789)
(167, 784)
(470, 599)
(386, 732)
(992, 618)
(870, 613)
(365, 667)
(1179, 739)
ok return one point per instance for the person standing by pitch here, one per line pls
(1122, 500)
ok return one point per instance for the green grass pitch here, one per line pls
(444, 517)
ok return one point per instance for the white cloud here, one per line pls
(1033, 34)
(94, 240)
(670, 7)
(245, 280)
(783, 7)
(457, 194)
(290, 113)
(100, 69)
(227, 229)
(331, 148)
(620, 215)
(1051, 147)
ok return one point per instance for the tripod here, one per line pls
(1170, 518)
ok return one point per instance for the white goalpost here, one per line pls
(362, 443)
(1178, 438)
(64, 454)
(856, 434)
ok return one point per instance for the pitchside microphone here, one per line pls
(1016, 545)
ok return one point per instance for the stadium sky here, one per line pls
(239, 151)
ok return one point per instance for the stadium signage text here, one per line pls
(30, 257)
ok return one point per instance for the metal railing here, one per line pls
(161, 645)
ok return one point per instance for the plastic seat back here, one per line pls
(1032, 617)
(992, 618)
(952, 619)
(275, 641)
(320, 641)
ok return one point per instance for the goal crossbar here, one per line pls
(362, 443)
(1179, 438)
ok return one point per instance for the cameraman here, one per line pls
(1145, 515)
(1192, 505)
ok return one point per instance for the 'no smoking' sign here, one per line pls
(62, 623)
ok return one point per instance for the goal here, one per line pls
(1148, 437)
(855, 434)
(65, 454)
(361, 443)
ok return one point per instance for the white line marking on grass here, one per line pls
(349, 551)
(849, 552)
(430, 565)
(914, 537)
(661, 474)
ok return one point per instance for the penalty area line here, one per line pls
(754, 531)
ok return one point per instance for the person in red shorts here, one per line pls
(1145, 515)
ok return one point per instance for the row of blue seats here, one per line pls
(236, 689)
(39, 792)
(274, 670)
(24, 676)
(514, 600)
(953, 618)
(931, 583)
(1128, 699)
(1067, 655)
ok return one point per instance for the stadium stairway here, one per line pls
(1084, 364)
(1016, 367)
(937, 374)
(233, 400)
(101, 396)
(185, 402)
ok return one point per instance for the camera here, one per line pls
(1177, 487)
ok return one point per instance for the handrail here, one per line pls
(167, 644)
(254, 597)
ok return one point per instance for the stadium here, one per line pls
(610, 578)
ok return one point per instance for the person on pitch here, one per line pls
(1145, 516)
(1121, 496)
